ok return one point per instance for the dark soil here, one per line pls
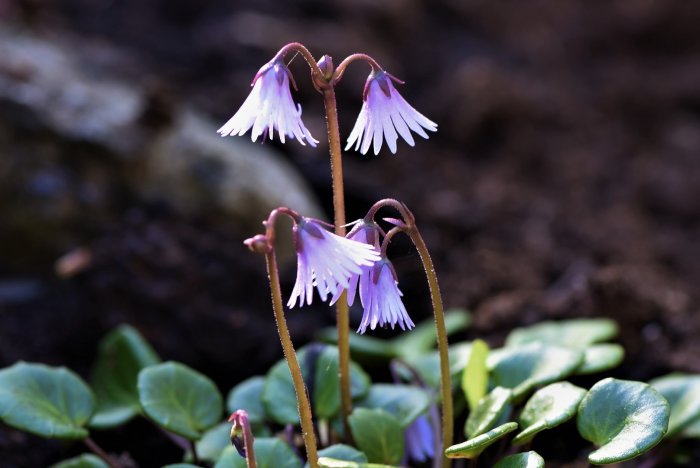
(564, 181)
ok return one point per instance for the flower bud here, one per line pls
(259, 244)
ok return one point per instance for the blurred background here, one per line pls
(563, 181)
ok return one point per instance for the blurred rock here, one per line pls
(80, 148)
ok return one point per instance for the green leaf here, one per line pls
(181, 465)
(180, 399)
(576, 333)
(405, 402)
(521, 460)
(327, 462)
(364, 348)
(327, 386)
(213, 443)
(623, 418)
(601, 357)
(378, 434)
(692, 431)
(269, 453)
(428, 365)
(423, 338)
(343, 452)
(547, 408)
(475, 378)
(86, 460)
(121, 356)
(524, 367)
(488, 412)
(46, 401)
(247, 396)
(683, 394)
(279, 397)
(472, 448)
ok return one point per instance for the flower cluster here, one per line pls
(385, 114)
(334, 264)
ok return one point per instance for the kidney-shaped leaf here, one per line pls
(343, 452)
(525, 367)
(46, 401)
(428, 365)
(328, 462)
(121, 356)
(86, 460)
(547, 408)
(472, 448)
(576, 333)
(378, 434)
(623, 418)
(247, 396)
(180, 399)
(683, 394)
(327, 386)
(269, 453)
(601, 357)
(405, 402)
(521, 460)
(487, 412)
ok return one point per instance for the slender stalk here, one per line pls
(193, 449)
(97, 450)
(303, 405)
(341, 309)
(248, 440)
(445, 380)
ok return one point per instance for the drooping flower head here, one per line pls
(381, 298)
(420, 440)
(326, 261)
(385, 114)
(270, 107)
(367, 233)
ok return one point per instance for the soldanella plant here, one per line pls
(317, 406)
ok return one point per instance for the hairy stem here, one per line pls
(303, 405)
(97, 450)
(445, 380)
(342, 316)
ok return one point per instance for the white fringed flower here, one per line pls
(381, 299)
(270, 107)
(383, 114)
(326, 261)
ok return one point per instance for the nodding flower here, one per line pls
(326, 261)
(381, 299)
(385, 115)
(270, 107)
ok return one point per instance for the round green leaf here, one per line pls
(328, 462)
(363, 348)
(121, 356)
(547, 408)
(405, 402)
(683, 394)
(601, 357)
(180, 399)
(247, 396)
(270, 452)
(378, 434)
(343, 452)
(428, 364)
(576, 333)
(86, 460)
(472, 448)
(623, 418)
(521, 460)
(213, 443)
(422, 338)
(279, 397)
(46, 401)
(327, 386)
(488, 412)
(524, 367)
(181, 465)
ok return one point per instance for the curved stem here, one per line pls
(97, 450)
(303, 405)
(338, 74)
(445, 379)
(341, 308)
(300, 48)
